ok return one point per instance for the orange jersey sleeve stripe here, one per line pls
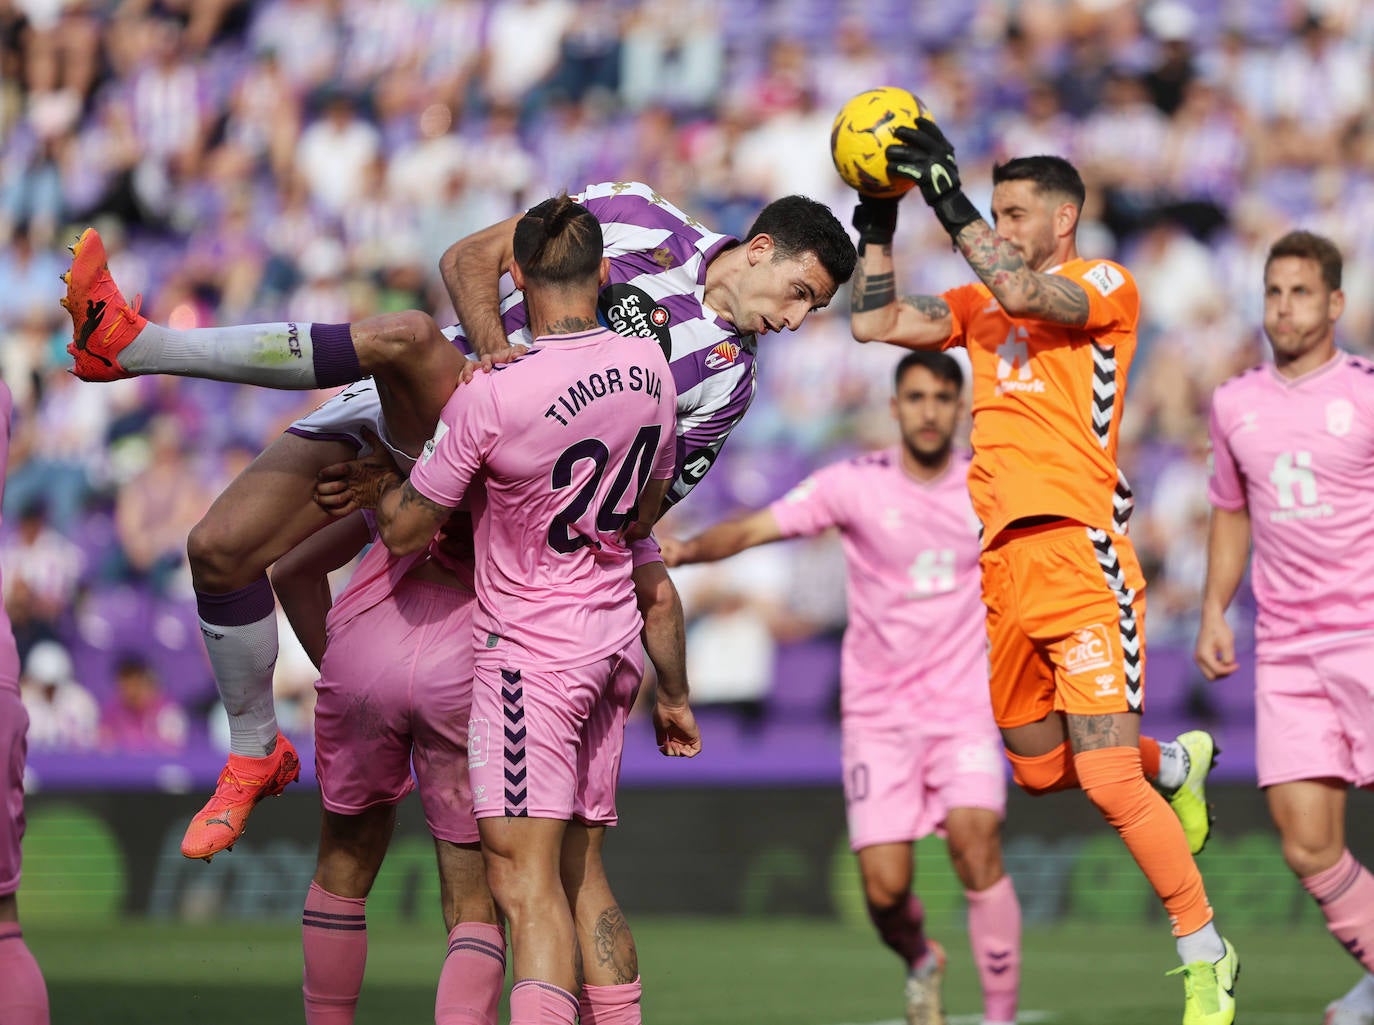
(1047, 402)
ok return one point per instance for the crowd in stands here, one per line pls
(311, 159)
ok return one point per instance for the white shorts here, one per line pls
(343, 417)
(899, 785)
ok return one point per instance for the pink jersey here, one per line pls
(916, 646)
(1300, 456)
(559, 444)
(377, 576)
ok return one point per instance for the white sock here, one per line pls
(1361, 995)
(1203, 945)
(1173, 766)
(270, 355)
(243, 658)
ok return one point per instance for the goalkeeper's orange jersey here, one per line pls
(1047, 401)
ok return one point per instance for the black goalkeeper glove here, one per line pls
(876, 220)
(926, 157)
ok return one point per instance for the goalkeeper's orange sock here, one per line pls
(1114, 781)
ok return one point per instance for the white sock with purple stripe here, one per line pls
(282, 355)
(240, 631)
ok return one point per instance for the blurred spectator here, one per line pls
(62, 713)
(524, 40)
(30, 277)
(672, 55)
(156, 509)
(40, 569)
(139, 718)
(334, 153)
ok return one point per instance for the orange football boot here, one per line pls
(103, 322)
(243, 783)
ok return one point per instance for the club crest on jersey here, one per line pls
(722, 355)
(631, 311)
(1340, 417)
(663, 256)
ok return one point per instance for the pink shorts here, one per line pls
(14, 725)
(547, 743)
(900, 784)
(396, 687)
(1314, 712)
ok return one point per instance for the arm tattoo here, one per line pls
(872, 291)
(569, 326)
(370, 481)
(410, 498)
(1001, 268)
(931, 306)
(1091, 732)
(615, 946)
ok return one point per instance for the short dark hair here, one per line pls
(1049, 173)
(558, 242)
(800, 225)
(1307, 245)
(941, 364)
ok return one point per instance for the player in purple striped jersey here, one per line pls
(704, 297)
(1292, 462)
(23, 994)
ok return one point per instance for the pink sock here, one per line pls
(903, 928)
(1345, 893)
(334, 939)
(994, 933)
(541, 1003)
(611, 1005)
(473, 975)
(23, 995)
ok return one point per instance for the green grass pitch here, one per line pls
(697, 971)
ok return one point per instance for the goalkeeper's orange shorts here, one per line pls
(1066, 623)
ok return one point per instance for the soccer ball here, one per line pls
(863, 131)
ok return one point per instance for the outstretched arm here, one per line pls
(724, 539)
(472, 269)
(876, 314)
(926, 157)
(1021, 291)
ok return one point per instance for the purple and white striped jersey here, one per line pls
(658, 260)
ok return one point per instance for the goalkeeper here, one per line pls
(1050, 338)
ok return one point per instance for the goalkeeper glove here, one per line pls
(926, 157)
(876, 220)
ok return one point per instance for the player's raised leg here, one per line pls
(111, 340)
(1107, 758)
(1177, 768)
(265, 512)
(994, 912)
(1310, 817)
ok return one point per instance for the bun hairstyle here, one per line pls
(558, 243)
